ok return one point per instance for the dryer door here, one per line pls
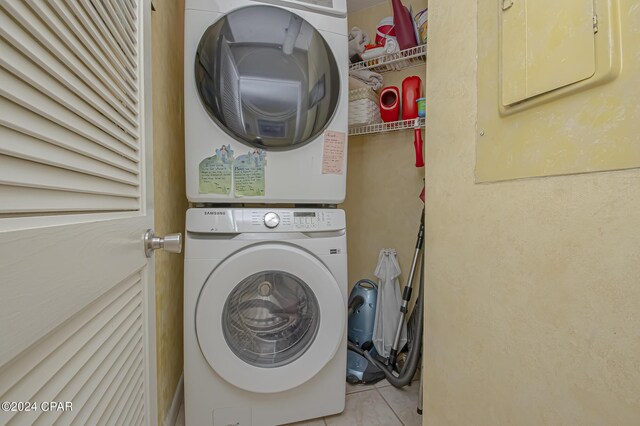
(267, 77)
(270, 317)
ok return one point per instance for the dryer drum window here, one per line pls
(270, 319)
(267, 77)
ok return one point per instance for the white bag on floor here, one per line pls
(388, 304)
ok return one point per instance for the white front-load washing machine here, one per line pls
(266, 99)
(265, 295)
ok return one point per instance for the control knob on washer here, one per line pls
(271, 220)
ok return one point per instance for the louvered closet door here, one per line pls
(77, 304)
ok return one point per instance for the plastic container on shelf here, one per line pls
(422, 110)
(385, 31)
(389, 101)
(422, 24)
(404, 25)
(410, 95)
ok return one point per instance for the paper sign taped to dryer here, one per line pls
(215, 172)
(333, 152)
(248, 174)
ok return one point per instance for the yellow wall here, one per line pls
(170, 199)
(382, 204)
(588, 126)
(532, 286)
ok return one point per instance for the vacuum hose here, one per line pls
(416, 325)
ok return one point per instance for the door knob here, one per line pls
(171, 243)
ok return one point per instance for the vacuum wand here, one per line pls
(406, 294)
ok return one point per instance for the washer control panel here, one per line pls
(230, 220)
(311, 220)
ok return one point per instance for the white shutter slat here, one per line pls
(14, 372)
(107, 388)
(115, 27)
(45, 68)
(91, 32)
(131, 13)
(125, 31)
(124, 416)
(139, 420)
(126, 19)
(95, 58)
(133, 389)
(95, 356)
(23, 94)
(26, 147)
(71, 361)
(125, 59)
(24, 121)
(131, 7)
(137, 416)
(17, 199)
(123, 384)
(97, 31)
(130, 361)
(22, 68)
(74, 59)
(80, 356)
(24, 173)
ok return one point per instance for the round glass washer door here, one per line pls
(267, 77)
(269, 318)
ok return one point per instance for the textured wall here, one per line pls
(584, 127)
(532, 287)
(169, 184)
(382, 204)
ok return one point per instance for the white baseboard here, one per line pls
(178, 399)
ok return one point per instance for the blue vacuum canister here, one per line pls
(362, 314)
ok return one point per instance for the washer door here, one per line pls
(267, 77)
(269, 318)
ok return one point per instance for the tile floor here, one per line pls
(369, 405)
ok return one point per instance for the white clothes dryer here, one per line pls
(266, 100)
(265, 295)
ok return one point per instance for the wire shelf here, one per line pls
(390, 126)
(407, 58)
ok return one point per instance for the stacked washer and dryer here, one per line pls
(265, 287)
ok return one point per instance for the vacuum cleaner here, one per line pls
(400, 377)
(361, 314)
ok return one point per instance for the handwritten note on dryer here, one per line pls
(333, 152)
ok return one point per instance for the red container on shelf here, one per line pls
(403, 22)
(389, 102)
(410, 95)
